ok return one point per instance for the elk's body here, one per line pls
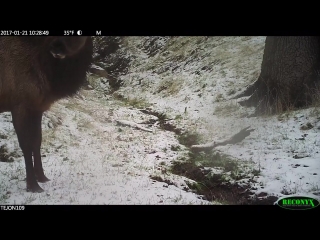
(34, 73)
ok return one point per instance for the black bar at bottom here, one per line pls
(140, 207)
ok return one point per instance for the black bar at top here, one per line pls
(176, 31)
(76, 32)
(47, 32)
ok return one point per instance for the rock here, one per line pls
(301, 155)
(98, 71)
(306, 126)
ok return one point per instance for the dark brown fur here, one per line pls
(34, 73)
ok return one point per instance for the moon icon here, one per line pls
(79, 32)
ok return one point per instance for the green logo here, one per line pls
(298, 203)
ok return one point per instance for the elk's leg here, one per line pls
(25, 123)
(36, 150)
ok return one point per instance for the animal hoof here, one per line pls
(43, 179)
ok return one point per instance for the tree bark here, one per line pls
(290, 73)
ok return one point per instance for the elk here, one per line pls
(34, 73)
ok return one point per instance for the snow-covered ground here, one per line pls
(287, 155)
(91, 159)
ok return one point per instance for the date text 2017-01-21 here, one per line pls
(24, 32)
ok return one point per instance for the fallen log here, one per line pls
(132, 124)
(232, 140)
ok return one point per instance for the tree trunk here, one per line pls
(290, 74)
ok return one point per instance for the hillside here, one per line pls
(180, 90)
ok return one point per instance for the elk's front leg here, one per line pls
(36, 149)
(26, 123)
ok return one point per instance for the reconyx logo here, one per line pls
(298, 203)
